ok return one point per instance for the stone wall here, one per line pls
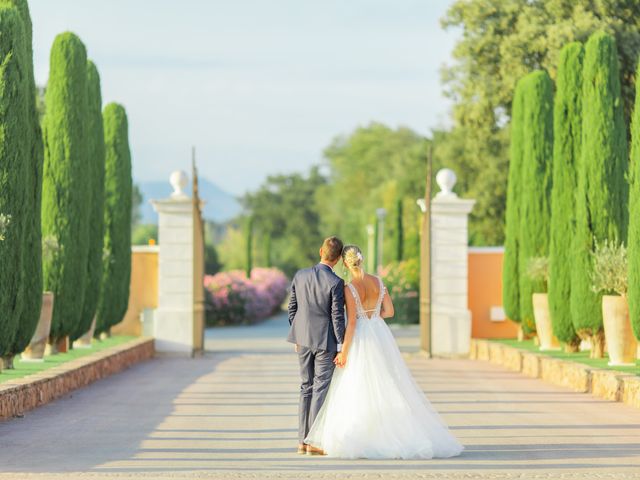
(608, 384)
(24, 394)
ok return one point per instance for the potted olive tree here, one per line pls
(538, 271)
(609, 277)
(36, 349)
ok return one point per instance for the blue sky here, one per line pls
(260, 87)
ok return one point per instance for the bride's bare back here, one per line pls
(368, 288)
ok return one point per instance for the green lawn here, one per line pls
(579, 357)
(22, 369)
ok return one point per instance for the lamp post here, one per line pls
(371, 238)
(381, 213)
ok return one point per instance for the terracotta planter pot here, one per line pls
(543, 322)
(85, 340)
(35, 350)
(61, 345)
(621, 344)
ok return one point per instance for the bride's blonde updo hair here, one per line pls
(352, 258)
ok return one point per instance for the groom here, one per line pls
(316, 316)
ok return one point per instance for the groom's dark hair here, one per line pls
(331, 249)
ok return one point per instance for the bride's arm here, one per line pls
(351, 325)
(387, 310)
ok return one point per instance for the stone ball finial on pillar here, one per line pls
(179, 180)
(446, 179)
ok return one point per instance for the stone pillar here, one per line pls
(450, 315)
(178, 326)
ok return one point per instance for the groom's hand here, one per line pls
(295, 348)
(340, 360)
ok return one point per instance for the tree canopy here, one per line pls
(501, 41)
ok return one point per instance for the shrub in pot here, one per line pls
(609, 277)
(538, 272)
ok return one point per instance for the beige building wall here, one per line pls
(143, 290)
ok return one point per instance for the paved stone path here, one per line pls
(232, 414)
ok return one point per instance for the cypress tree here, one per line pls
(399, 231)
(510, 267)
(15, 132)
(537, 152)
(602, 194)
(633, 251)
(267, 250)
(116, 273)
(249, 245)
(567, 126)
(32, 253)
(95, 180)
(65, 193)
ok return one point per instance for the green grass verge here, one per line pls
(22, 369)
(578, 357)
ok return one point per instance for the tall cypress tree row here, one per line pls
(116, 274)
(601, 202)
(633, 251)
(535, 209)
(15, 132)
(399, 231)
(95, 179)
(567, 139)
(65, 189)
(32, 253)
(510, 268)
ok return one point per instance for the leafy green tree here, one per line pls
(633, 252)
(143, 233)
(501, 41)
(65, 191)
(32, 252)
(249, 245)
(114, 295)
(535, 208)
(567, 139)
(267, 250)
(94, 172)
(399, 232)
(370, 168)
(285, 210)
(212, 264)
(511, 266)
(602, 195)
(15, 165)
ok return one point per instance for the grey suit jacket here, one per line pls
(316, 309)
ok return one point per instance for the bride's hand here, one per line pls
(340, 360)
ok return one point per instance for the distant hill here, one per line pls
(219, 206)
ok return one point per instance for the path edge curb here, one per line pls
(578, 377)
(24, 394)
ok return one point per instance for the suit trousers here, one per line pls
(316, 370)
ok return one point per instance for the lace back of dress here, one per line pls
(360, 311)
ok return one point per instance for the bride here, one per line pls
(374, 408)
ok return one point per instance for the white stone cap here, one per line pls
(179, 180)
(145, 248)
(446, 180)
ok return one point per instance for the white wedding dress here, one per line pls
(374, 408)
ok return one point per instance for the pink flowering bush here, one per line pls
(402, 280)
(233, 299)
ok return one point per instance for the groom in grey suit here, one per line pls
(316, 316)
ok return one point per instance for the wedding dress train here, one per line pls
(374, 408)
